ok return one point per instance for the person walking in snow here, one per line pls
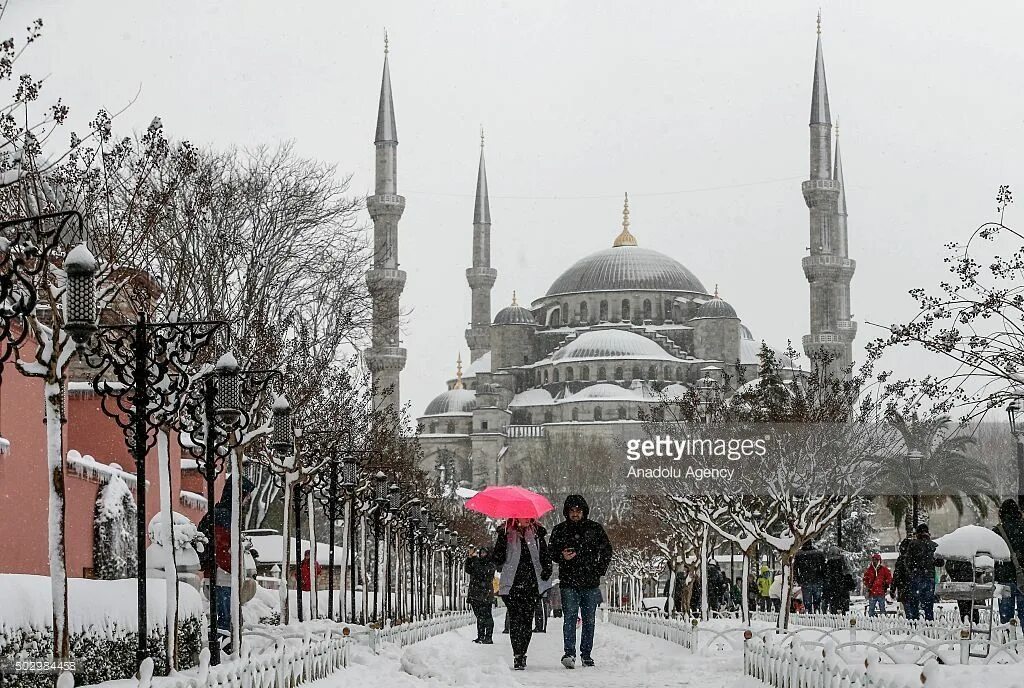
(917, 562)
(764, 586)
(304, 577)
(809, 572)
(222, 518)
(837, 583)
(583, 553)
(521, 551)
(480, 595)
(1011, 573)
(877, 578)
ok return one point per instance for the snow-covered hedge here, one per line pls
(102, 618)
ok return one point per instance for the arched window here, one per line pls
(585, 373)
(566, 314)
(636, 373)
(584, 316)
(597, 413)
(569, 374)
(618, 373)
(623, 415)
(433, 428)
(548, 417)
(451, 427)
(668, 309)
(575, 414)
(652, 374)
(601, 374)
(545, 377)
(603, 311)
(554, 375)
(556, 318)
(668, 372)
(625, 309)
(647, 309)
(529, 418)
(679, 373)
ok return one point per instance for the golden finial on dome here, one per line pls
(514, 298)
(625, 238)
(458, 372)
(716, 292)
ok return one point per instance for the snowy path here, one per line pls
(625, 659)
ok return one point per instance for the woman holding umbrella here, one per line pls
(521, 552)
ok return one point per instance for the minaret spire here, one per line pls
(481, 275)
(386, 358)
(625, 238)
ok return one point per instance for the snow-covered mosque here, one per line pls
(617, 332)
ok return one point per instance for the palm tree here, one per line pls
(947, 472)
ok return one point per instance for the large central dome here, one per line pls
(626, 267)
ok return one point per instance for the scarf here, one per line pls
(514, 542)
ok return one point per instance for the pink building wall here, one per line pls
(24, 483)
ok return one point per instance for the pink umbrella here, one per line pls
(509, 501)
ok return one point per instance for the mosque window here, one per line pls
(652, 374)
(529, 418)
(584, 316)
(575, 414)
(826, 234)
(623, 415)
(584, 373)
(569, 374)
(636, 373)
(545, 377)
(625, 309)
(451, 427)
(554, 375)
(566, 314)
(618, 373)
(602, 374)
(597, 413)
(433, 428)
(668, 372)
(668, 309)
(483, 425)
(679, 374)
(548, 417)
(603, 311)
(647, 309)
(526, 359)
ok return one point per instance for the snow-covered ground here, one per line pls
(624, 659)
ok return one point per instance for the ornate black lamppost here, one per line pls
(381, 502)
(415, 518)
(394, 504)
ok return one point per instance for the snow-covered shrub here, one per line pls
(114, 553)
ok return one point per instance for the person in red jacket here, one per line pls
(877, 579)
(304, 572)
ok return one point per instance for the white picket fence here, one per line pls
(288, 656)
(687, 633)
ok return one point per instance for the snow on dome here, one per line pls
(965, 542)
(604, 390)
(531, 397)
(611, 344)
(80, 257)
(626, 267)
(716, 308)
(676, 391)
(452, 401)
(745, 332)
(514, 315)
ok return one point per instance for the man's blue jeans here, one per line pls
(581, 602)
(812, 597)
(223, 595)
(876, 605)
(1008, 605)
(920, 598)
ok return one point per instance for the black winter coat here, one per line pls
(588, 539)
(919, 558)
(481, 579)
(1012, 531)
(809, 566)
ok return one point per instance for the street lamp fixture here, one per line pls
(227, 401)
(380, 490)
(282, 439)
(395, 496)
(349, 471)
(80, 311)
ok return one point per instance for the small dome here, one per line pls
(452, 401)
(531, 397)
(675, 391)
(716, 308)
(514, 315)
(603, 390)
(745, 333)
(611, 344)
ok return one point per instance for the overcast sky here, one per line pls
(698, 110)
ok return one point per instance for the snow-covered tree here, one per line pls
(114, 554)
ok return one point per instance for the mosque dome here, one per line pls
(514, 315)
(626, 266)
(611, 344)
(604, 390)
(453, 401)
(716, 308)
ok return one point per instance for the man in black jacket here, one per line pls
(809, 571)
(582, 551)
(918, 561)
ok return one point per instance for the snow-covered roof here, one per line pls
(269, 549)
(531, 397)
(675, 391)
(611, 344)
(965, 542)
(480, 365)
(89, 468)
(192, 499)
(189, 465)
(606, 391)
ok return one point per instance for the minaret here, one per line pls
(828, 268)
(481, 276)
(385, 357)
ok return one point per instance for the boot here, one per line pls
(519, 663)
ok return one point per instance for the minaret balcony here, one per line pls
(818, 190)
(481, 277)
(385, 204)
(821, 265)
(385, 358)
(384, 280)
(821, 338)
